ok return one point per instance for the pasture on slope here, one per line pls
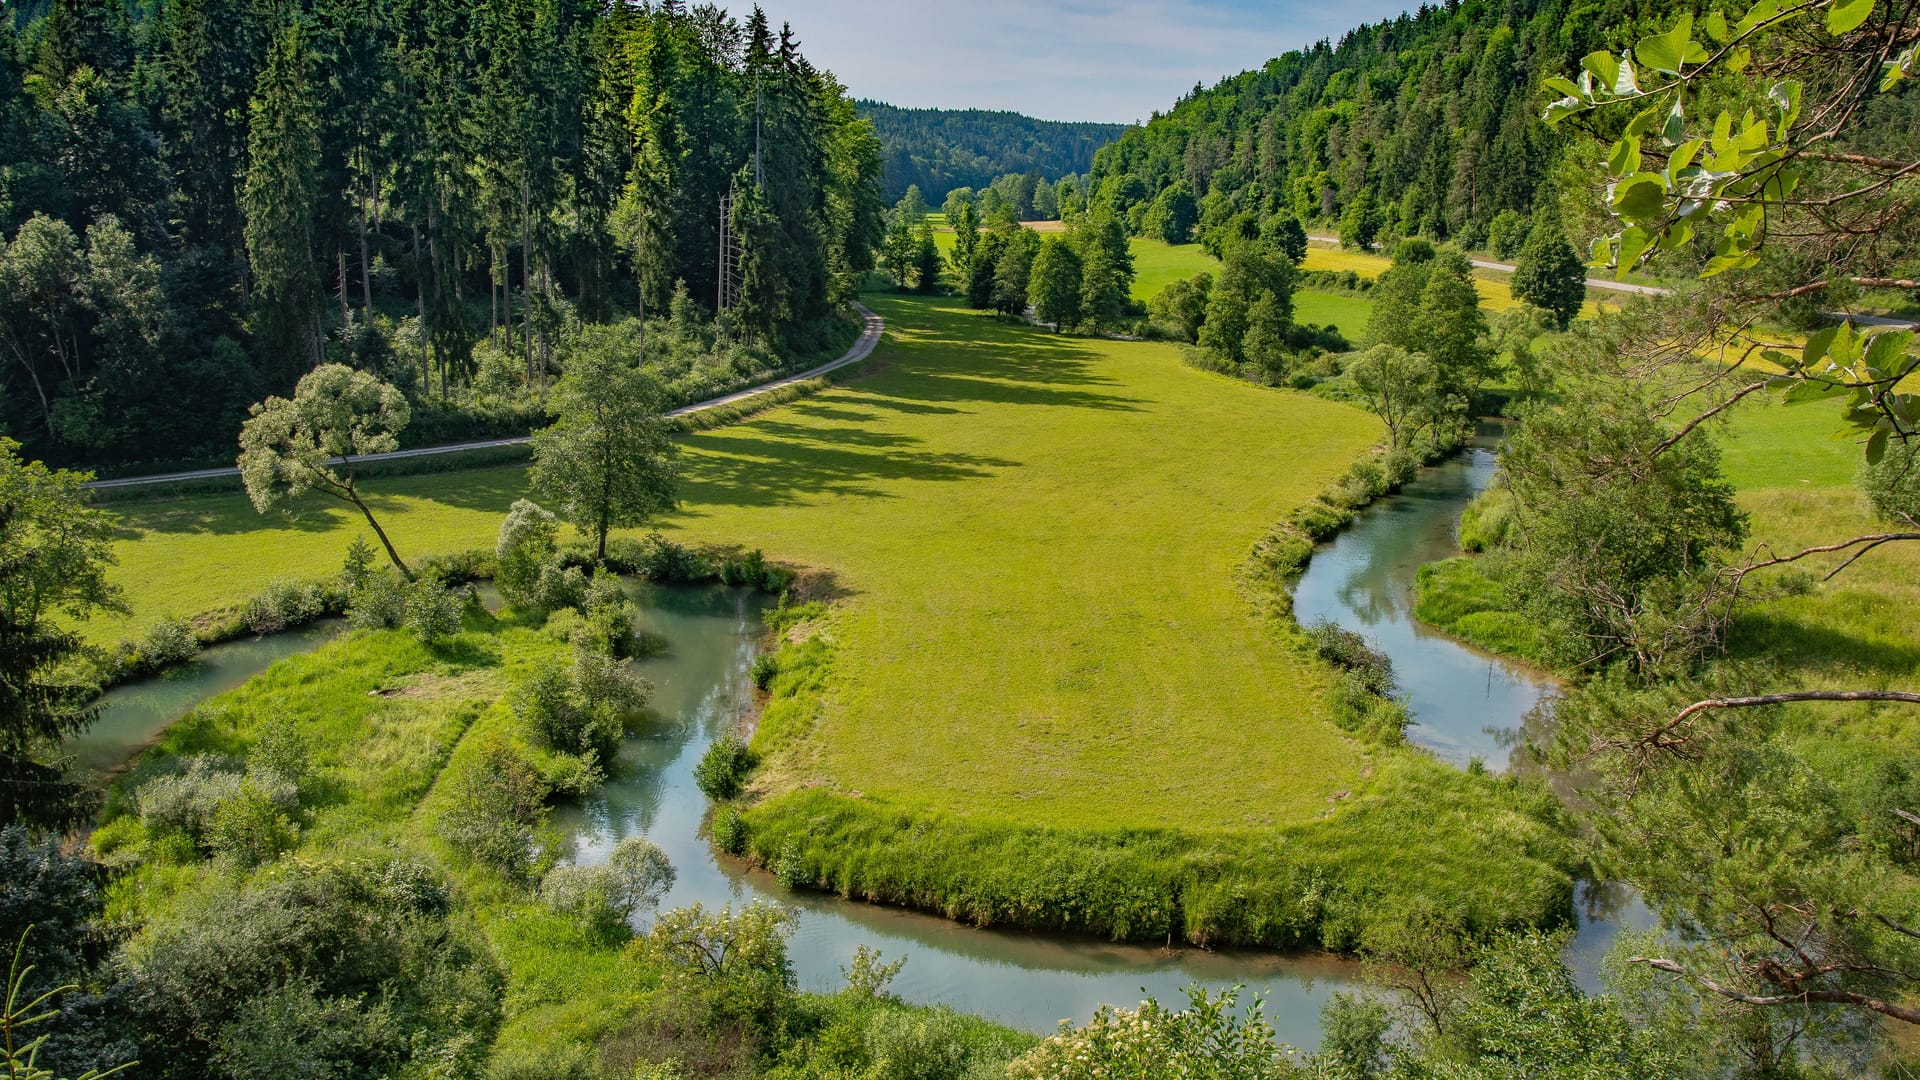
(1036, 535)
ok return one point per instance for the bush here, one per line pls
(249, 826)
(659, 559)
(1353, 653)
(723, 768)
(765, 667)
(1893, 485)
(284, 604)
(729, 830)
(526, 548)
(1507, 234)
(582, 709)
(585, 895)
(186, 800)
(432, 611)
(167, 642)
(379, 601)
(495, 803)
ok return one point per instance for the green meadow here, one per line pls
(1032, 539)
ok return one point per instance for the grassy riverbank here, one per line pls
(389, 735)
(1796, 473)
(1039, 640)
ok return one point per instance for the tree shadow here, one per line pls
(1809, 645)
(742, 468)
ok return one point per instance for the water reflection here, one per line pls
(1465, 703)
(134, 715)
(1026, 980)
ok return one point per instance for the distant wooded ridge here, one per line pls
(942, 149)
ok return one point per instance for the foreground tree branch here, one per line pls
(1800, 997)
(1659, 736)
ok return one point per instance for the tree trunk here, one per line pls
(366, 271)
(526, 271)
(354, 498)
(346, 313)
(420, 309)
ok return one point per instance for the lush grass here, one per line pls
(1157, 264)
(1061, 583)
(1458, 596)
(1343, 311)
(1035, 538)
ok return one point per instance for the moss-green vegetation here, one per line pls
(1458, 596)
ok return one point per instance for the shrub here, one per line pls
(284, 604)
(379, 601)
(585, 895)
(495, 802)
(729, 830)
(659, 559)
(1211, 1038)
(582, 709)
(169, 641)
(736, 961)
(525, 549)
(1353, 653)
(723, 768)
(186, 800)
(432, 612)
(1893, 485)
(765, 667)
(1507, 234)
(249, 826)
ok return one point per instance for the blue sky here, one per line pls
(1108, 60)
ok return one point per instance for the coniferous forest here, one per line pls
(201, 200)
(938, 150)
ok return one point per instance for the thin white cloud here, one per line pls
(1110, 60)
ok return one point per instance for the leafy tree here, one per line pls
(912, 210)
(1621, 522)
(54, 553)
(1449, 326)
(309, 442)
(1174, 214)
(1183, 305)
(901, 255)
(1253, 292)
(966, 237)
(607, 461)
(1361, 221)
(1106, 267)
(1284, 233)
(958, 200)
(1013, 270)
(1549, 274)
(1401, 388)
(1396, 296)
(1507, 233)
(1054, 291)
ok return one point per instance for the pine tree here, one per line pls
(283, 152)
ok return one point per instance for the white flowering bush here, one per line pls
(1210, 1040)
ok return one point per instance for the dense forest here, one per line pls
(1430, 121)
(202, 200)
(938, 150)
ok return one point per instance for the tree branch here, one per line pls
(1689, 426)
(1803, 997)
(1872, 540)
(1658, 736)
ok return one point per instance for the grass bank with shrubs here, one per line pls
(347, 864)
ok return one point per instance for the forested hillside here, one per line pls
(1430, 120)
(201, 200)
(938, 150)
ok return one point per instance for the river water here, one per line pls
(1462, 704)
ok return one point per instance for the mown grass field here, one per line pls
(1036, 535)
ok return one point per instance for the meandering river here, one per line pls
(1463, 703)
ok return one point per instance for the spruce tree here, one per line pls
(283, 158)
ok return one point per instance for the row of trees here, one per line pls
(1080, 277)
(200, 203)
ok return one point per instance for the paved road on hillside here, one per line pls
(862, 348)
(1655, 290)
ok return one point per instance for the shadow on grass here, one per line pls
(231, 514)
(749, 466)
(1814, 646)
